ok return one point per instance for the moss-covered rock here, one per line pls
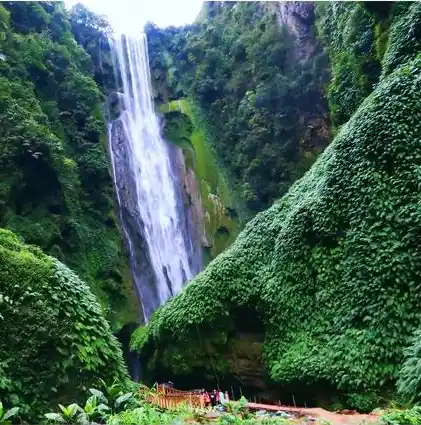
(55, 341)
(333, 268)
(220, 223)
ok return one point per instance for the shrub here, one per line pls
(402, 417)
(409, 383)
(5, 415)
(365, 402)
(55, 340)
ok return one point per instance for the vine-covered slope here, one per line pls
(356, 44)
(55, 341)
(55, 187)
(330, 273)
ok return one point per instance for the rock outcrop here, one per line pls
(300, 18)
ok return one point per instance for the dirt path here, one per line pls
(318, 413)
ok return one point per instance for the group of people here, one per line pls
(215, 397)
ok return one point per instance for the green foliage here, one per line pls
(237, 407)
(5, 415)
(363, 402)
(28, 17)
(238, 414)
(332, 269)
(55, 340)
(113, 396)
(405, 35)
(145, 414)
(348, 32)
(265, 420)
(98, 407)
(91, 32)
(55, 187)
(138, 337)
(94, 410)
(409, 383)
(70, 414)
(402, 417)
(264, 111)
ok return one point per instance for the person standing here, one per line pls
(221, 397)
(213, 398)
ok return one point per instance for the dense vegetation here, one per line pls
(54, 338)
(356, 46)
(55, 193)
(319, 295)
(263, 110)
(331, 271)
(55, 188)
(113, 406)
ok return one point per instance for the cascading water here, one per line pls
(153, 219)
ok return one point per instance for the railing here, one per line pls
(167, 398)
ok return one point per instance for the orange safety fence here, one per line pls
(167, 398)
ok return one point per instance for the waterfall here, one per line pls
(152, 214)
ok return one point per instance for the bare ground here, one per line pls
(318, 414)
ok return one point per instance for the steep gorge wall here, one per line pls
(209, 196)
(56, 194)
(55, 187)
(255, 101)
(329, 275)
(299, 17)
(356, 39)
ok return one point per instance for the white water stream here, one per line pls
(153, 190)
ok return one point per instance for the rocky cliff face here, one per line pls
(299, 17)
(129, 216)
(193, 213)
(191, 198)
(209, 201)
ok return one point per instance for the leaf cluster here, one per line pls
(97, 409)
(6, 415)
